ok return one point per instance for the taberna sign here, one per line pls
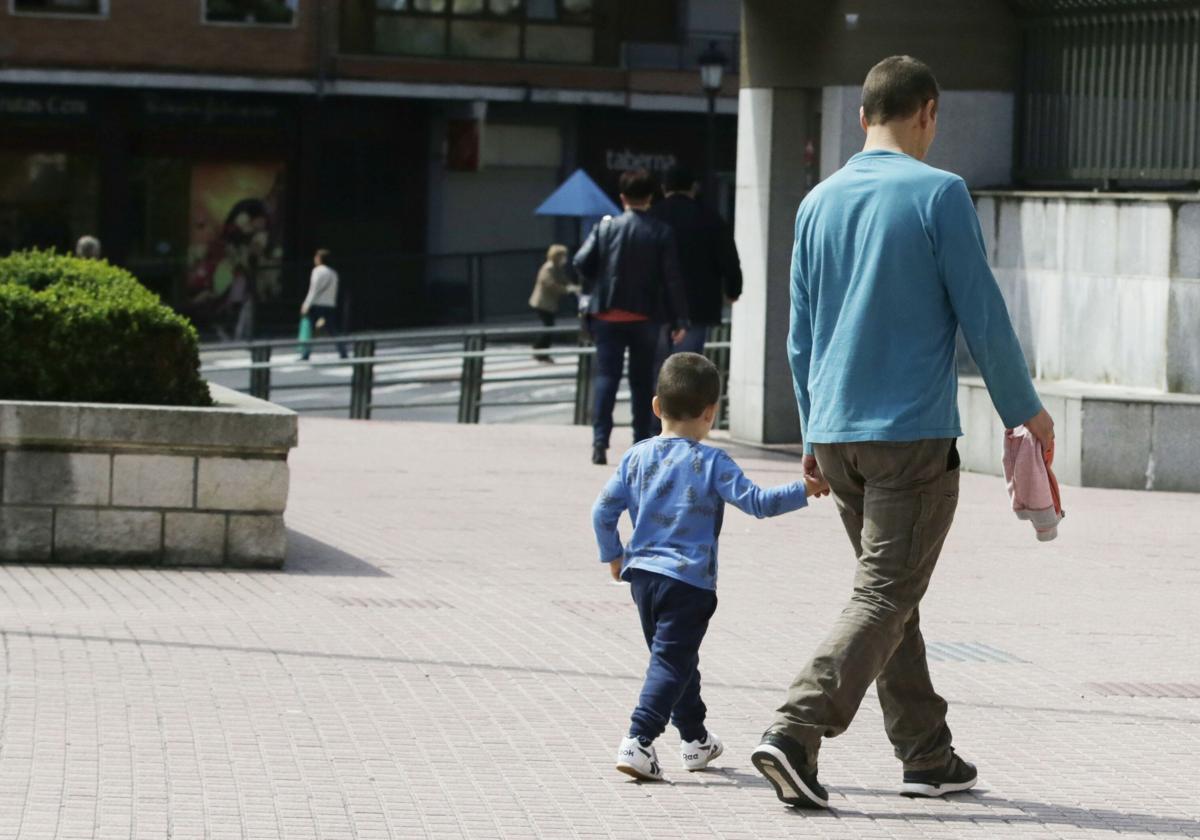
(44, 106)
(622, 160)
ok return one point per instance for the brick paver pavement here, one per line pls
(444, 658)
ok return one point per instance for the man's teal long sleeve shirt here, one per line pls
(889, 262)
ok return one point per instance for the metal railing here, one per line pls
(1110, 92)
(478, 347)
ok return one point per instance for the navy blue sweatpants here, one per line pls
(674, 620)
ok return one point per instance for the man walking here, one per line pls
(888, 263)
(630, 272)
(708, 259)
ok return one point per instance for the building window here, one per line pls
(84, 8)
(531, 30)
(47, 199)
(251, 12)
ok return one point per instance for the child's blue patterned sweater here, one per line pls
(675, 490)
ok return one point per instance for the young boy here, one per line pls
(675, 489)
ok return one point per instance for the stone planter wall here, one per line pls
(1104, 436)
(84, 483)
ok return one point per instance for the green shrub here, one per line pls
(75, 330)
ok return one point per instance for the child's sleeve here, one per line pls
(739, 491)
(613, 500)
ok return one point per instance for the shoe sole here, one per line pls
(914, 790)
(707, 761)
(789, 787)
(630, 770)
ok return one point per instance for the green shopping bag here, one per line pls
(306, 334)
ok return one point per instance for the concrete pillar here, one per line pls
(774, 126)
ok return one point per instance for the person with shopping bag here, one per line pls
(319, 309)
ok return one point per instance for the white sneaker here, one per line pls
(697, 754)
(640, 762)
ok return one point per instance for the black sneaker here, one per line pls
(783, 762)
(955, 775)
(599, 455)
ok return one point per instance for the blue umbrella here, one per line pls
(578, 196)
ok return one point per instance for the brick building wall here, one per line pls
(158, 35)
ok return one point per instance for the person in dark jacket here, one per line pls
(708, 258)
(629, 266)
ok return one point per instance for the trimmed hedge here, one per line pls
(74, 330)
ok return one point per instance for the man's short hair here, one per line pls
(678, 178)
(687, 384)
(323, 256)
(896, 88)
(88, 248)
(637, 184)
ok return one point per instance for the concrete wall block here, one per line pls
(985, 207)
(257, 540)
(1056, 219)
(239, 484)
(980, 448)
(1144, 240)
(97, 535)
(1068, 440)
(1091, 329)
(1100, 228)
(1116, 445)
(1187, 240)
(25, 534)
(194, 539)
(1009, 244)
(1047, 353)
(239, 422)
(1176, 447)
(68, 478)
(160, 481)
(24, 423)
(1183, 336)
(1138, 344)
(1033, 234)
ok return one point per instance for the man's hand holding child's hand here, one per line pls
(814, 483)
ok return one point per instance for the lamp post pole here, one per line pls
(710, 152)
(712, 73)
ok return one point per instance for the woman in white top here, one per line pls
(321, 302)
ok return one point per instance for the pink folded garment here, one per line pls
(1031, 482)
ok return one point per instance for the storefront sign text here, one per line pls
(621, 160)
(43, 106)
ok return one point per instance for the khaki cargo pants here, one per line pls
(897, 501)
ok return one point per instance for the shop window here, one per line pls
(87, 8)
(251, 12)
(47, 200)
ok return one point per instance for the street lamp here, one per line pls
(712, 73)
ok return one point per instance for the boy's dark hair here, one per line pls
(323, 255)
(637, 184)
(687, 384)
(896, 88)
(678, 178)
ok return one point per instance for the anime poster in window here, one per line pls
(235, 243)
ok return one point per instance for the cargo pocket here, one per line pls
(935, 512)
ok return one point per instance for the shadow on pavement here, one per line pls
(309, 556)
(1031, 813)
